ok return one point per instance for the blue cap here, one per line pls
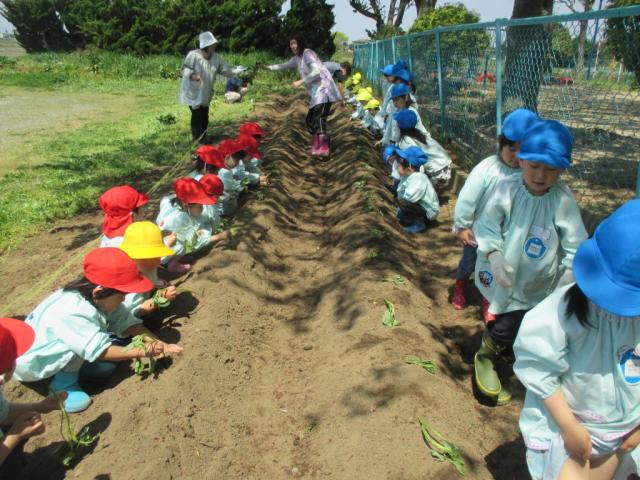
(388, 151)
(401, 64)
(399, 90)
(387, 70)
(606, 266)
(517, 122)
(406, 118)
(549, 142)
(404, 74)
(414, 155)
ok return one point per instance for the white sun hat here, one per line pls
(207, 39)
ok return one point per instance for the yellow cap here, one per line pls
(144, 240)
(373, 103)
(363, 95)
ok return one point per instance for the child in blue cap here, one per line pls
(527, 237)
(418, 203)
(577, 353)
(438, 168)
(477, 191)
(402, 99)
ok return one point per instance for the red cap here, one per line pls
(212, 185)
(250, 145)
(211, 156)
(117, 204)
(112, 268)
(16, 337)
(190, 190)
(229, 147)
(251, 128)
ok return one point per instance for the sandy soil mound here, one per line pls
(287, 369)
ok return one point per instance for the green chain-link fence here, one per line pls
(582, 69)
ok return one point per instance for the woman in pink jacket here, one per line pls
(321, 88)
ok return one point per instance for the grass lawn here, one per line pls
(74, 125)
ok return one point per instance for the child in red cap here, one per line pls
(210, 218)
(72, 325)
(181, 221)
(254, 130)
(15, 338)
(250, 145)
(234, 152)
(208, 160)
(120, 205)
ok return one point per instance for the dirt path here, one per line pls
(287, 369)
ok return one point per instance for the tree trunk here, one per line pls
(422, 5)
(582, 37)
(528, 51)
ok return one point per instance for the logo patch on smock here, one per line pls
(629, 365)
(535, 248)
(486, 278)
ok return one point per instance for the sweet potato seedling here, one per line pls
(75, 442)
(139, 366)
(441, 449)
(428, 365)
(395, 279)
(159, 299)
(389, 316)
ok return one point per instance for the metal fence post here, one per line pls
(409, 53)
(393, 49)
(499, 23)
(440, 81)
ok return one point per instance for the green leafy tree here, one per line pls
(563, 47)
(37, 23)
(623, 38)
(454, 14)
(314, 19)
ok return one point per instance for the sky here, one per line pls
(354, 24)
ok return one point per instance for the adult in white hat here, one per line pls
(199, 71)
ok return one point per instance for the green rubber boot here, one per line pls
(484, 362)
(504, 397)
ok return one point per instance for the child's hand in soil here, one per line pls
(467, 237)
(263, 180)
(220, 236)
(577, 441)
(147, 307)
(52, 402)
(631, 441)
(170, 239)
(27, 425)
(170, 293)
(160, 349)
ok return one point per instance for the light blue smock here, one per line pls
(133, 301)
(210, 218)
(359, 112)
(478, 189)
(191, 236)
(195, 175)
(416, 188)
(538, 236)
(438, 160)
(110, 242)
(68, 326)
(228, 201)
(253, 171)
(597, 368)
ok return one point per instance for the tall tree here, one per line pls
(623, 38)
(587, 6)
(37, 23)
(528, 53)
(388, 21)
(314, 19)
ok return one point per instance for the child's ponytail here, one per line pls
(413, 133)
(578, 305)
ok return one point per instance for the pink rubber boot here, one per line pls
(324, 149)
(315, 146)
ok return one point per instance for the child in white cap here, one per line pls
(527, 237)
(476, 192)
(199, 71)
(577, 353)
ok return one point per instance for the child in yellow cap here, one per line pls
(373, 120)
(144, 244)
(363, 96)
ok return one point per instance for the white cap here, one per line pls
(207, 39)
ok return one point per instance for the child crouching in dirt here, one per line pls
(208, 159)
(373, 120)
(363, 97)
(144, 245)
(438, 168)
(71, 326)
(418, 204)
(241, 171)
(476, 192)
(210, 218)
(121, 205)
(577, 354)
(22, 419)
(527, 237)
(181, 223)
(253, 165)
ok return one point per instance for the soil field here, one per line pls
(287, 369)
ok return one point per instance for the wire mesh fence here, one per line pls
(582, 69)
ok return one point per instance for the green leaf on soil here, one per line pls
(395, 279)
(441, 449)
(75, 442)
(139, 366)
(428, 365)
(159, 299)
(389, 316)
